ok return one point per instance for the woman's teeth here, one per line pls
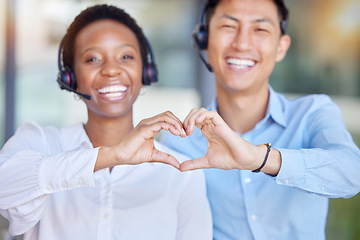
(113, 89)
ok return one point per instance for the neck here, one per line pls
(107, 131)
(242, 110)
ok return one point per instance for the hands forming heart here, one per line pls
(226, 149)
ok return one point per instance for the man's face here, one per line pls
(245, 42)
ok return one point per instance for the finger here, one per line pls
(179, 125)
(150, 131)
(191, 120)
(186, 120)
(194, 164)
(162, 157)
(167, 117)
(209, 117)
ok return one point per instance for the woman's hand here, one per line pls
(138, 146)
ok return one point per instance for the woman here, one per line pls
(86, 181)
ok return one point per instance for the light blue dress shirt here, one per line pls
(319, 161)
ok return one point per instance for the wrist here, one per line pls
(107, 158)
(269, 161)
(264, 161)
(273, 164)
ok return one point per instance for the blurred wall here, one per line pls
(324, 58)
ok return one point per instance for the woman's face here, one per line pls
(108, 66)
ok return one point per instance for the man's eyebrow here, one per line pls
(264, 20)
(230, 17)
(259, 20)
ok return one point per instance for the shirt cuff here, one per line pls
(67, 171)
(293, 168)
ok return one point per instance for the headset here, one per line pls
(200, 38)
(66, 77)
(200, 35)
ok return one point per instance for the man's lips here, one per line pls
(240, 63)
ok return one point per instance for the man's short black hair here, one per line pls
(95, 13)
(282, 11)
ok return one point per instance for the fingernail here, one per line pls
(183, 131)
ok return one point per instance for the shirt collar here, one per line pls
(275, 108)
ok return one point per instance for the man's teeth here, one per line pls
(240, 63)
(111, 90)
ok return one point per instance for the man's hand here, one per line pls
(226, 149)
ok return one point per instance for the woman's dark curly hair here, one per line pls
(95, 13)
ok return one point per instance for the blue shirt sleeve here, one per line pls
(328, 163)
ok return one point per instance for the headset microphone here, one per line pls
(66, 87)
(207, 65)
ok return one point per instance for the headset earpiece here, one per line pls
(283, 26)
(66, 77)
(149, 73)
(200, 36)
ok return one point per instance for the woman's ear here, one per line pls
(283, 47)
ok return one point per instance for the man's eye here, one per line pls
(229, 26)
(261, 30)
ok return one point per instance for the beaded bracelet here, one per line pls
(268, 145)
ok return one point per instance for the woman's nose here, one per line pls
(111, 69)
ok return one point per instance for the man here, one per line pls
(277, 191)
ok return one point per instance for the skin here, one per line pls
(107, 55)
(246, 31)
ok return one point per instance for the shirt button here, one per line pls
(323, 189)
(64, 184)
(247, 180)
(287, 181)
(49, 187)
(253, 217)
(80, 182)
(106, 216)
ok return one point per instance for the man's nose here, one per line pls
(243, 40)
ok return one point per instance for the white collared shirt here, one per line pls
(48, 190)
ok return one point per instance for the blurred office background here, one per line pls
(324, 58)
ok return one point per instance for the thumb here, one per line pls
(158, 156)
(194, 164)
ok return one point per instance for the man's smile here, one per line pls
(239, 63)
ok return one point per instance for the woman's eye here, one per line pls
(127, 57)
(92, 60)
